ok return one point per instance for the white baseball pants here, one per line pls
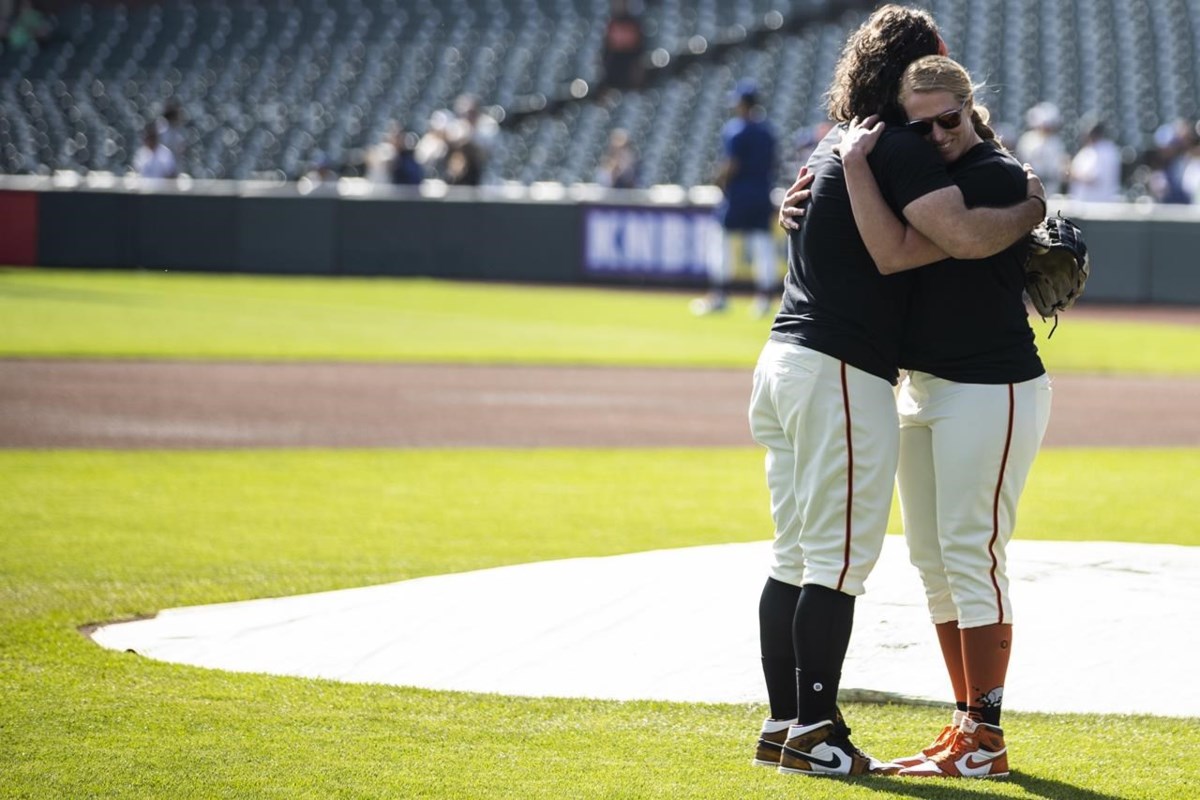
(965, 452)
(831, 436)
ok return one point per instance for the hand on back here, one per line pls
(797, 195)
(859, 138)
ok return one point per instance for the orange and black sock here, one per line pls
(950, 640)
(986, 651)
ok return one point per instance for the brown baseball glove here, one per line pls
(1057, 267)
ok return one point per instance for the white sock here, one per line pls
(777, 725)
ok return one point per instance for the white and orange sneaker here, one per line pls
(939, 744)
(976, 750)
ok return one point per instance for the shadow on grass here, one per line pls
(935, 789)
(93, 297)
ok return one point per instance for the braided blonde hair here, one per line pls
(942, 74)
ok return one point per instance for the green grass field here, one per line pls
(89, 536)
(158, 315)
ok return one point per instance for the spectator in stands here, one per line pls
(7, 7)
(405, 171)
(171, 132)
(1095, 174)
(393, 161)
(1173, 142)
(153, 159)
(323, 169)
(475, 125)
(28, 27)
(464, 163)
(434, 146)
(1191, 172)
(1042, 147)
(624, 44)
(745, 175)
(464, 141)
(619, 165)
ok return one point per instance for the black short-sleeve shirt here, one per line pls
(966, 320)
(835, 301)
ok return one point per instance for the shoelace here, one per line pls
(952, 749)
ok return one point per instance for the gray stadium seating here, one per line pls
(267, 86)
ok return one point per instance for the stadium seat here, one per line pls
(265, 86)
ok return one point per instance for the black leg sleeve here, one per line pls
(823, 622)
(776, 615)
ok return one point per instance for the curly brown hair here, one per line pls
(867, 77)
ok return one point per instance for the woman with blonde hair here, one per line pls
(973, 406)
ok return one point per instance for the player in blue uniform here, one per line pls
(746, 175)
(973, 407)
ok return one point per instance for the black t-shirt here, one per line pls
(966, 320)
(834, 300)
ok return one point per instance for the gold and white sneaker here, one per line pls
(770, 742)
(825, 749)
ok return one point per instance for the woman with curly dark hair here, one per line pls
(822, 402)
(867, 75)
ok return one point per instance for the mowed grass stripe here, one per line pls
(213, 526)
(87, 536)
(53, 313)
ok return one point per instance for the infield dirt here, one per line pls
(145, 404)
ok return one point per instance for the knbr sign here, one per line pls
(668, 244)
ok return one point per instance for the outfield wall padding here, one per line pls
(188, 232)
(19, 228)
(88, 229)
(1121, 259)
(288, 235)
(1140, 254)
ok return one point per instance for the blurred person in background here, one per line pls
(619, 164)
(745, 176)
(394, 160)
(1042, 147)
(1191, 172)
(153, 159)
(405, 171)
(475, 126)
(624, 44)
(1173, 144)
(470, 136)
(7, 8)
(457, 144)
(171, 131)
(464, 164)
(28, 27)
(1095, 175)
(323, 174)
(434, 146)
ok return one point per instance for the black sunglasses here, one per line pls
(947, 122)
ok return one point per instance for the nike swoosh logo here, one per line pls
(975, 760)
(828, 763)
